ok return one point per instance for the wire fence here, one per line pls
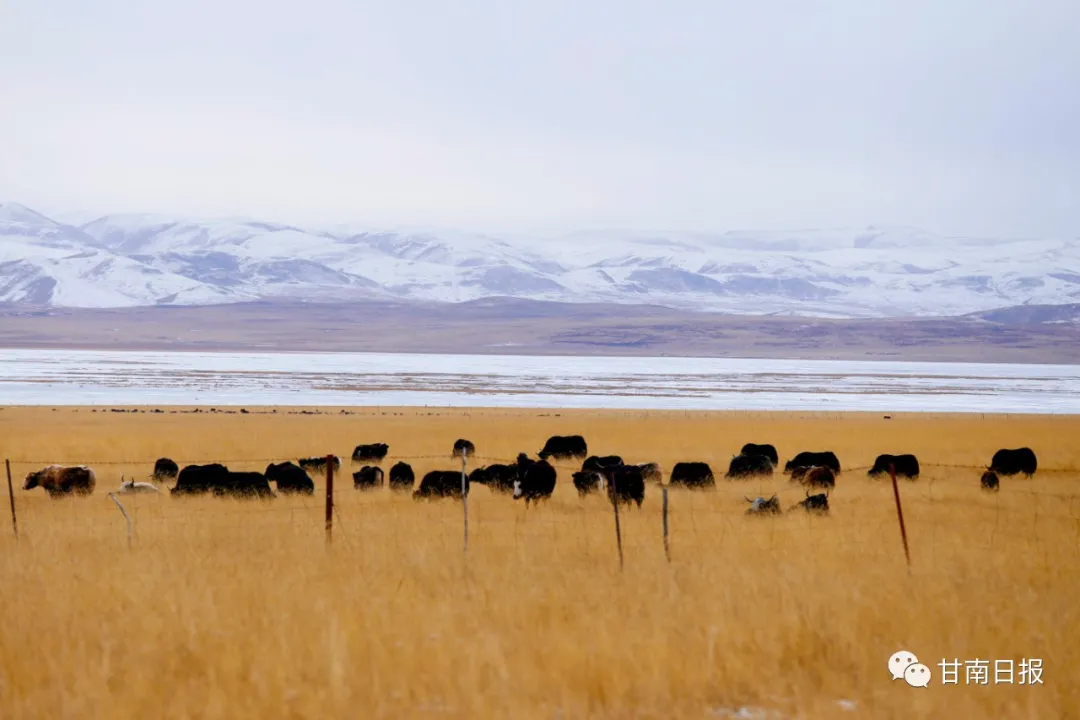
(721, 511)
(479, 460)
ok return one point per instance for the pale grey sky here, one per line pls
(959, 116)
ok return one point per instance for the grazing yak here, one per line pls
(59, 480)
(815, 477)
(563, 447)
(598, 463)
(761, 506)
(368, 477)
(745, 466)
(814, 503)
(906, 466)
(694, 475)
(625, 484)
(989, 481)
(768, 451)
(499, 478)
(402, 477)
(463, 448)
(799, 473)
(809, 459)
(370, 453)
(289, 478)
(318, 464)
(244, 484)
(588, 481)
(1013, 462)
(218, 479)
(441, 484)
(199, 479)
(536, 480)
(130, 487)
(652, 472)
(165, 469)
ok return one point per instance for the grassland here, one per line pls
(225, 608)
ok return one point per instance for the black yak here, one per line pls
(814, 503)
(625, 484)
(165, 469)
(907, 466)
(499, 478)
(375, 452)
(809, 459)
(768, 451)
(289, 478)
(536, 480)
(564, 447)
(1013, 462)
(744, 466)
(368, 477)
(402, 477)
(441, 484)
(694, 475)
(463, 448)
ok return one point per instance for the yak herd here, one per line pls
(526, 478)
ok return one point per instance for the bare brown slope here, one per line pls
(504, 326)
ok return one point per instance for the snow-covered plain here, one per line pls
(66, 377)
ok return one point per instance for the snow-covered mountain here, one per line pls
(133, 260)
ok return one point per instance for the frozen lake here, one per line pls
(68, 377)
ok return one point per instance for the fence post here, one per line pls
(900, 515)
(124, 512)
(11, 497)
(465, 500)
(329, 499)
(667, 548)
(618, 529)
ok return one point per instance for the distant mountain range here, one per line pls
(143, 260)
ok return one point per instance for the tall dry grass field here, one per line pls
(231, 608)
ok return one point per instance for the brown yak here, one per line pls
(59, 480)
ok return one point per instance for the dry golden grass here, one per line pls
(228, 608)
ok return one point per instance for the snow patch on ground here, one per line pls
(65, 377)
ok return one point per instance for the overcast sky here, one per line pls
(958, 116)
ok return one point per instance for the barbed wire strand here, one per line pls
(529, 523)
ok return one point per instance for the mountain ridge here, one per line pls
(138, 260)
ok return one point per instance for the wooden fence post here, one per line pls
(329, 498)
(618, 529)
(465, 499)
(11, 497)
(667, 548)
(900, 515)
(124, 513)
